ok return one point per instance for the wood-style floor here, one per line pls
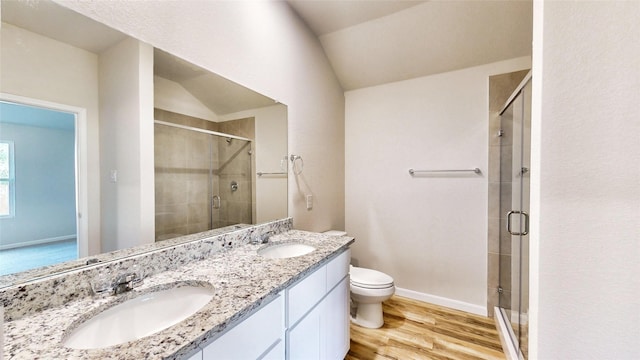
(418, 330)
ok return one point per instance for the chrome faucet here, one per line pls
(126, 282)
(102, 286)
(262, 238)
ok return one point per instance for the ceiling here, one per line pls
(367, 42)
(49, 19)
(370, 42)
(219, 94)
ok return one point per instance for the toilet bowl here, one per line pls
(369, 288)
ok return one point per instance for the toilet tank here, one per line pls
(335, 233)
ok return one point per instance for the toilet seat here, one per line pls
(369, 279)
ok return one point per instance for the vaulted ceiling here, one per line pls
(368, 42)
(376, 42)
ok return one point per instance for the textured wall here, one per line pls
(428, 232)
(266, 47)
(44, 69)
(126, 145)
(44, 160)
(586, 194)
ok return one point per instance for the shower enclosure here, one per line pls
(515, 123)
(203, 180)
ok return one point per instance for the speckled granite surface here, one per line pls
(29, 275)
(29, 297)
(242, 280)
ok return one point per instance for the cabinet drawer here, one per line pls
(305, 294)
(262, 329)
(338, 268)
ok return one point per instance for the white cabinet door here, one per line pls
(303, 340)
(276, 353)
(252, 337)
(335, 322)
(322, 333)
(195, 356)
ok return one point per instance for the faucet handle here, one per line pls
(264, 238)
(126, 282)
(261, 238)
(101, 285)
(137, 281)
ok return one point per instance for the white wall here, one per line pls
(126, 128)
(270, 146)
(45, 69)
(585, 247)
(171, 96)
(264, 46)
(428, 232)
(45, 198)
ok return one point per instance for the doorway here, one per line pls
(39, 184)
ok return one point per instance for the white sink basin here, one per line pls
(287, 250)
(139, 317)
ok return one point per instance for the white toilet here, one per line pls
(369, 288)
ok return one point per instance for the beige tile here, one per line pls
(505, 272)
(198, 188)
(493, 235)
(175, 191)
(494, 127)
(177, 231)
(506, 124)
(505, 238)
(506, 160)
(505, 299)
(494, 163)
(505, 200)
(197, 227)
(198, 213)
(492, 300)
(172, 216)
(494, 203)
(493, 270)
(502, 86)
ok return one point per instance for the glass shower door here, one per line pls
(182, 181)
(517, 184)
(203, 180)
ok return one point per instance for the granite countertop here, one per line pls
(242, 280)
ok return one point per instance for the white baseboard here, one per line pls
(37, 242)
(442, 301)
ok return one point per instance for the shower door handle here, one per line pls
(526, 222)
(215, 202)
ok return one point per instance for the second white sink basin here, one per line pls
(286, 250)
(139, 317)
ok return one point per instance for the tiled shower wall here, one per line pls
(183, 160)
(500, 154)
(235, 164)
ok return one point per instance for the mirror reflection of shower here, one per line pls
(194, 167)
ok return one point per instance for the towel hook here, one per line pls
(294, 158)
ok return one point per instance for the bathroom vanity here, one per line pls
(308, 320)
(261, 307)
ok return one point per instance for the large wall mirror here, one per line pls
(109, 147)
